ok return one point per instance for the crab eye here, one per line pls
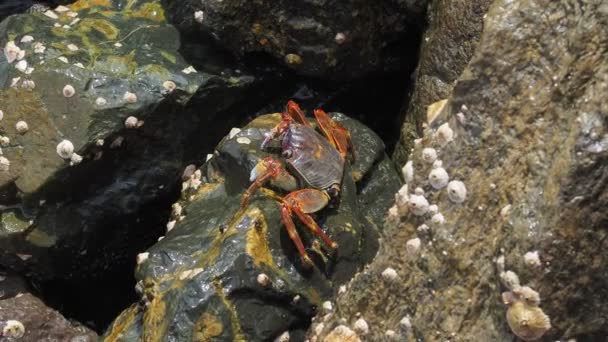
(287, 154)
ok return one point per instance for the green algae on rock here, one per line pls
(236, 271)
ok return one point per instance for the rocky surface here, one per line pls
(41, 323)
(226, 274)
(453, 30)
(528, 137)
(70, 219)
(328, 39)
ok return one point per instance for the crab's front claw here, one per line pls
(337, 134)
(295, 113)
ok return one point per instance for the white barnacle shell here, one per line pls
(13, 328)
(21, 127)
(131, 122)
(189, 70)
(176, 210)
(64, 59)
(532, 259)
(418, 204)
(457, 192)
(340, 38)
(406, 323)
(21, 65)
(1, 115)
(141, 257)
(401, 198)
(11, 51)
(75, 159)
(39, 47)
(28, 84)
(433, 209)
(526, 321)
(412, 246)
(361, 327)
(438, 218)
(4, 141)
(65, 149)
(510, 279)
(422, 228)
(61, 9)
(408, 172)
(68, 90)
(419, 191)
(284, 337)
(438, 177)
(233, 131)
(243, 140)
(263, 279)
(100, 101)
(171, 225)
(327, 306)
(199, 16)
(389, 274)
(51, 14)
(72, 47)
(27, 39)
(129, 97)
(429, 155)
(527, 294)
(80, 65)
(444, 134)
(4, 164)
(169, 86)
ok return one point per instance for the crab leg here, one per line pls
(306, 201)
(293, 234)
(337, 135)
(264, 170)
(296, 113)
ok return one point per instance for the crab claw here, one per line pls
(267, 138)
(259, 169)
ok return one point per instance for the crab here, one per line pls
(315, 167)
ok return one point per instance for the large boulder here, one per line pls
(330, 39)
(226, 274)
(76, 219)
(529, 123)
(454, 28)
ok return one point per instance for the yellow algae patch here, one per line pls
(151, 10)
(84, 4)
(234, 318)
(41, 239)
(154, 320)
(168, 56)
(257, 243)
(206, 328)
(104, 27)
(122, 324)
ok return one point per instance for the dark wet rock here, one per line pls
(532, 150)
(202, 280)
(41, 323)
(81, 223)
(454, 28)
(329, 39)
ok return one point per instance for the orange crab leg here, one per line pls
(306, 201)
(337, 135)
(296, 113)
(293, 234)
(265, 169)
(314, 227)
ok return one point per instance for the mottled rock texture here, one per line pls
(203, 281)
(42, 324)
(532, 150)
(454, 28)
(341, 39)
(72, 222)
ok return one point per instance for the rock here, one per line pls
(342, 40)
(76, 222)
(42, 323)
(9, 7)
(448, 44)
(250, 283)
(533, 155)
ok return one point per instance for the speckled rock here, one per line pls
(532, 151)
(331, 39)
(227, 274)
(60, 219)
(454, 28)
(42, 324)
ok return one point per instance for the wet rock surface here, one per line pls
(453, 30)
(531, 152)
(328, 39)
(41, 323)
(68, 222)
(222, 273)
